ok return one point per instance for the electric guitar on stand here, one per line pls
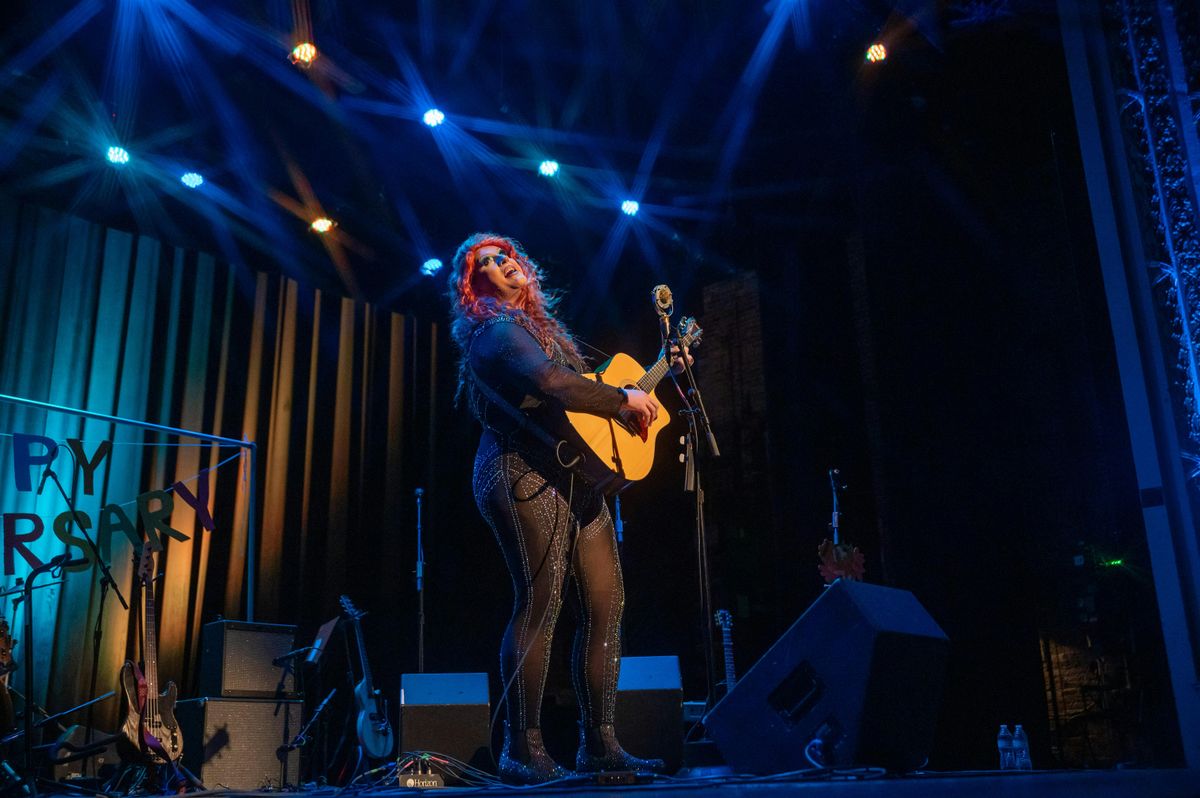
(725, 623)
(374, 731)
(618, 453)
(150, 729)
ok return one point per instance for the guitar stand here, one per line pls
(183, 774)
(137, 775)
(163, 779)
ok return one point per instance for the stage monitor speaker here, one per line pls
(237, 743)
(236, 660)
(650, 709)
(860, 671)
(446, 713)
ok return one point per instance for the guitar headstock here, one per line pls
(689, 331)
(352, 612)
(724, 620)
(145, 568)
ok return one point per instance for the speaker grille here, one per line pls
(235, 743)
(236, 660)
(446, 713)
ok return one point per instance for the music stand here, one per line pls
(322, 639)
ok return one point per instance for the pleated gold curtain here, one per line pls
(121, 324)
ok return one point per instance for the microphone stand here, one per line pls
(106, 582)
(691, 483)
(420, 574)
(61, 561)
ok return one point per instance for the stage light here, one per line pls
(303, 54)
(1114, 563)
(431, 267)
(433, 117)
(118, 156)
(876, 53)
(322, 225)
(192, 180)
(630, 207)
(548, 168)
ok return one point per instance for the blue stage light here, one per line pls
(433, 117)
(118, 156)
(630, 207)
(548, 168)
(192, 180)
(431, 267)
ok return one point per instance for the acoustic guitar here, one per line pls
(616, 452)
(374, 731)
(151, 733)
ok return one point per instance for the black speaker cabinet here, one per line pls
(861, 670)
(446, 713)
(235, 743)
(235, 660)
(650, 709)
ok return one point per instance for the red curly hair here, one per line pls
(472, 301)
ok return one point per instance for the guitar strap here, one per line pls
(524, 423)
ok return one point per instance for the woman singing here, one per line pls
(549, 524)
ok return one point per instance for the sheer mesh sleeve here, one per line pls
(510, 360)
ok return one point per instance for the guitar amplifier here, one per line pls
(237, 743)
(650, 709)
(446, 713)
(236, 660)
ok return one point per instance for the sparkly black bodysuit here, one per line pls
(522, 492)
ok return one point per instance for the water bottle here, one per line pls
(1020, 743)
(1004, 744)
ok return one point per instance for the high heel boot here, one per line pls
(599, 750)
(524, 759)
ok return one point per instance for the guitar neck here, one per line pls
(362, 654)
(727, 642)
(151, 652)
(655, 373)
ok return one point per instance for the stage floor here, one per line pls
(843, 784)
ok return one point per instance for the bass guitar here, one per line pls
(374, 731)
(151, 733)
(616, 452)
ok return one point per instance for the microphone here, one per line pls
(45, 477)
(664, 303)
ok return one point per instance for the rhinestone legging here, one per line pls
(524, 500)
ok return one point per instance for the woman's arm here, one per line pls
(507, 356)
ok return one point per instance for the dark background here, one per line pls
(931, 319)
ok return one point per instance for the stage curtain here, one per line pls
(121, 324)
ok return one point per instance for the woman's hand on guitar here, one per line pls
(677, 361)
(640, 405)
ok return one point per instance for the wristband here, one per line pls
(624, 395)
